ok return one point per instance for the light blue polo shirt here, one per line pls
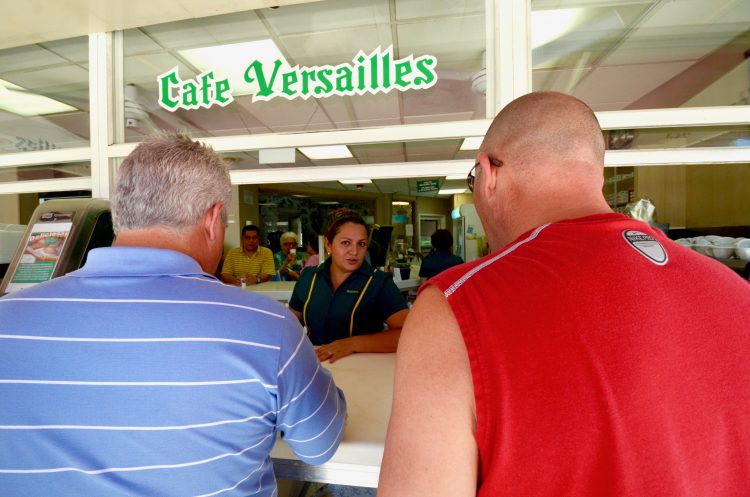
(141, 375)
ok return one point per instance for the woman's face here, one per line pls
(289, 243)
(348, 248)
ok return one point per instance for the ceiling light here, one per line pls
(328, 203)
(21, 101)
(471, 143)
(326, 152)
(355, 181)
(231, 61)
(456, 176)
(452, 191)
(549, 25)
(398, 202)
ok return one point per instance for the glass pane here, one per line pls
(44, 96)
(46, 171)
(351, 155)
(317, 48)
(697, 136)
(643, 54)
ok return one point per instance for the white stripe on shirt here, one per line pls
(335, 415)
(138, 340)
(262, 467)
(140, 301)
(136, 383)
(294, 354)
(132, 468)
(317, 369)
(455, 286)
(330, 384)
(135, 428)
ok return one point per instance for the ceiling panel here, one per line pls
(136, 42)
(143, 69)
(451, 40)
(328, 15)
(73, 49)
(607, 88)
(335, 47)
(376, 153)
(28, 57)
(217, 30)
(58, 79)
(377, 110)
(415, 9)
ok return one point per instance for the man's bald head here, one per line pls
(552, 153)
(545, 128)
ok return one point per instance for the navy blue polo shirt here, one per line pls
(437, 262)
(328, 314)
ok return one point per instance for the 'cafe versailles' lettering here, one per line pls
(377, 72)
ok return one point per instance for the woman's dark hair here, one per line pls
(442, 240)
(340, 217)
(312, 240)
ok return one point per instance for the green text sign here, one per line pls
(377, 72)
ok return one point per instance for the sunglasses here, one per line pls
(470, 178)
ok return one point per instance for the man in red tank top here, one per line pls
(588, 355)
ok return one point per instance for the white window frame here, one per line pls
(508, 76)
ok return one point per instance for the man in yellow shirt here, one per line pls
(251, 261)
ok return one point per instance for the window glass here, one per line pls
(432, 51)
(643, 54)
(46, 171)
(44, 96)
(696, 136)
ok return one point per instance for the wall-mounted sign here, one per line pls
(377, 72)
(428, 185)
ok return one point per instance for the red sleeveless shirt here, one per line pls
(606, 360)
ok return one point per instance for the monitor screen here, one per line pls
(380, 241)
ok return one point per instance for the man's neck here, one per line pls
(250, 253)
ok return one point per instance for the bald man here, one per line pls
(588, 355)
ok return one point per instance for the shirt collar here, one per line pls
(138, 261)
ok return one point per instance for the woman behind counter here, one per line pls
(287, 261)
(343, 302)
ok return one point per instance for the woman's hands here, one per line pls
(334, 351)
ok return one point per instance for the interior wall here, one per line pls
(718, 195)
(9, 212)
(666, 187)
(27, 204)
(697, 196)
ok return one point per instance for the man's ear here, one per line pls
(211, 219)
(488, 182)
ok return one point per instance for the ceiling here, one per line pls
(618, 54)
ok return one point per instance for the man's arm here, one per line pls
(312, 410)
(430, 448)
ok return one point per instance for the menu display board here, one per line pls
(42, 250)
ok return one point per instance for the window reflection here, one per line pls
(643, 55)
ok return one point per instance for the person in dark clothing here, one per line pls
(441, 257)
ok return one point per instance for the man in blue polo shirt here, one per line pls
(140, 374)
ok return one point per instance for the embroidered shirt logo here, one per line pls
(647, 246)
(355, 292)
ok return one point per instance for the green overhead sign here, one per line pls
(375, 73)
(428, 185)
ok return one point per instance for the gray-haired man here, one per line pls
(132, 376)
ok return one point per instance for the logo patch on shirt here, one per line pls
(647, 246)
(355, 292)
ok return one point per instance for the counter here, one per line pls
(282, 290)
(367, 382)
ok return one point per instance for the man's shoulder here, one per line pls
(265, 252)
